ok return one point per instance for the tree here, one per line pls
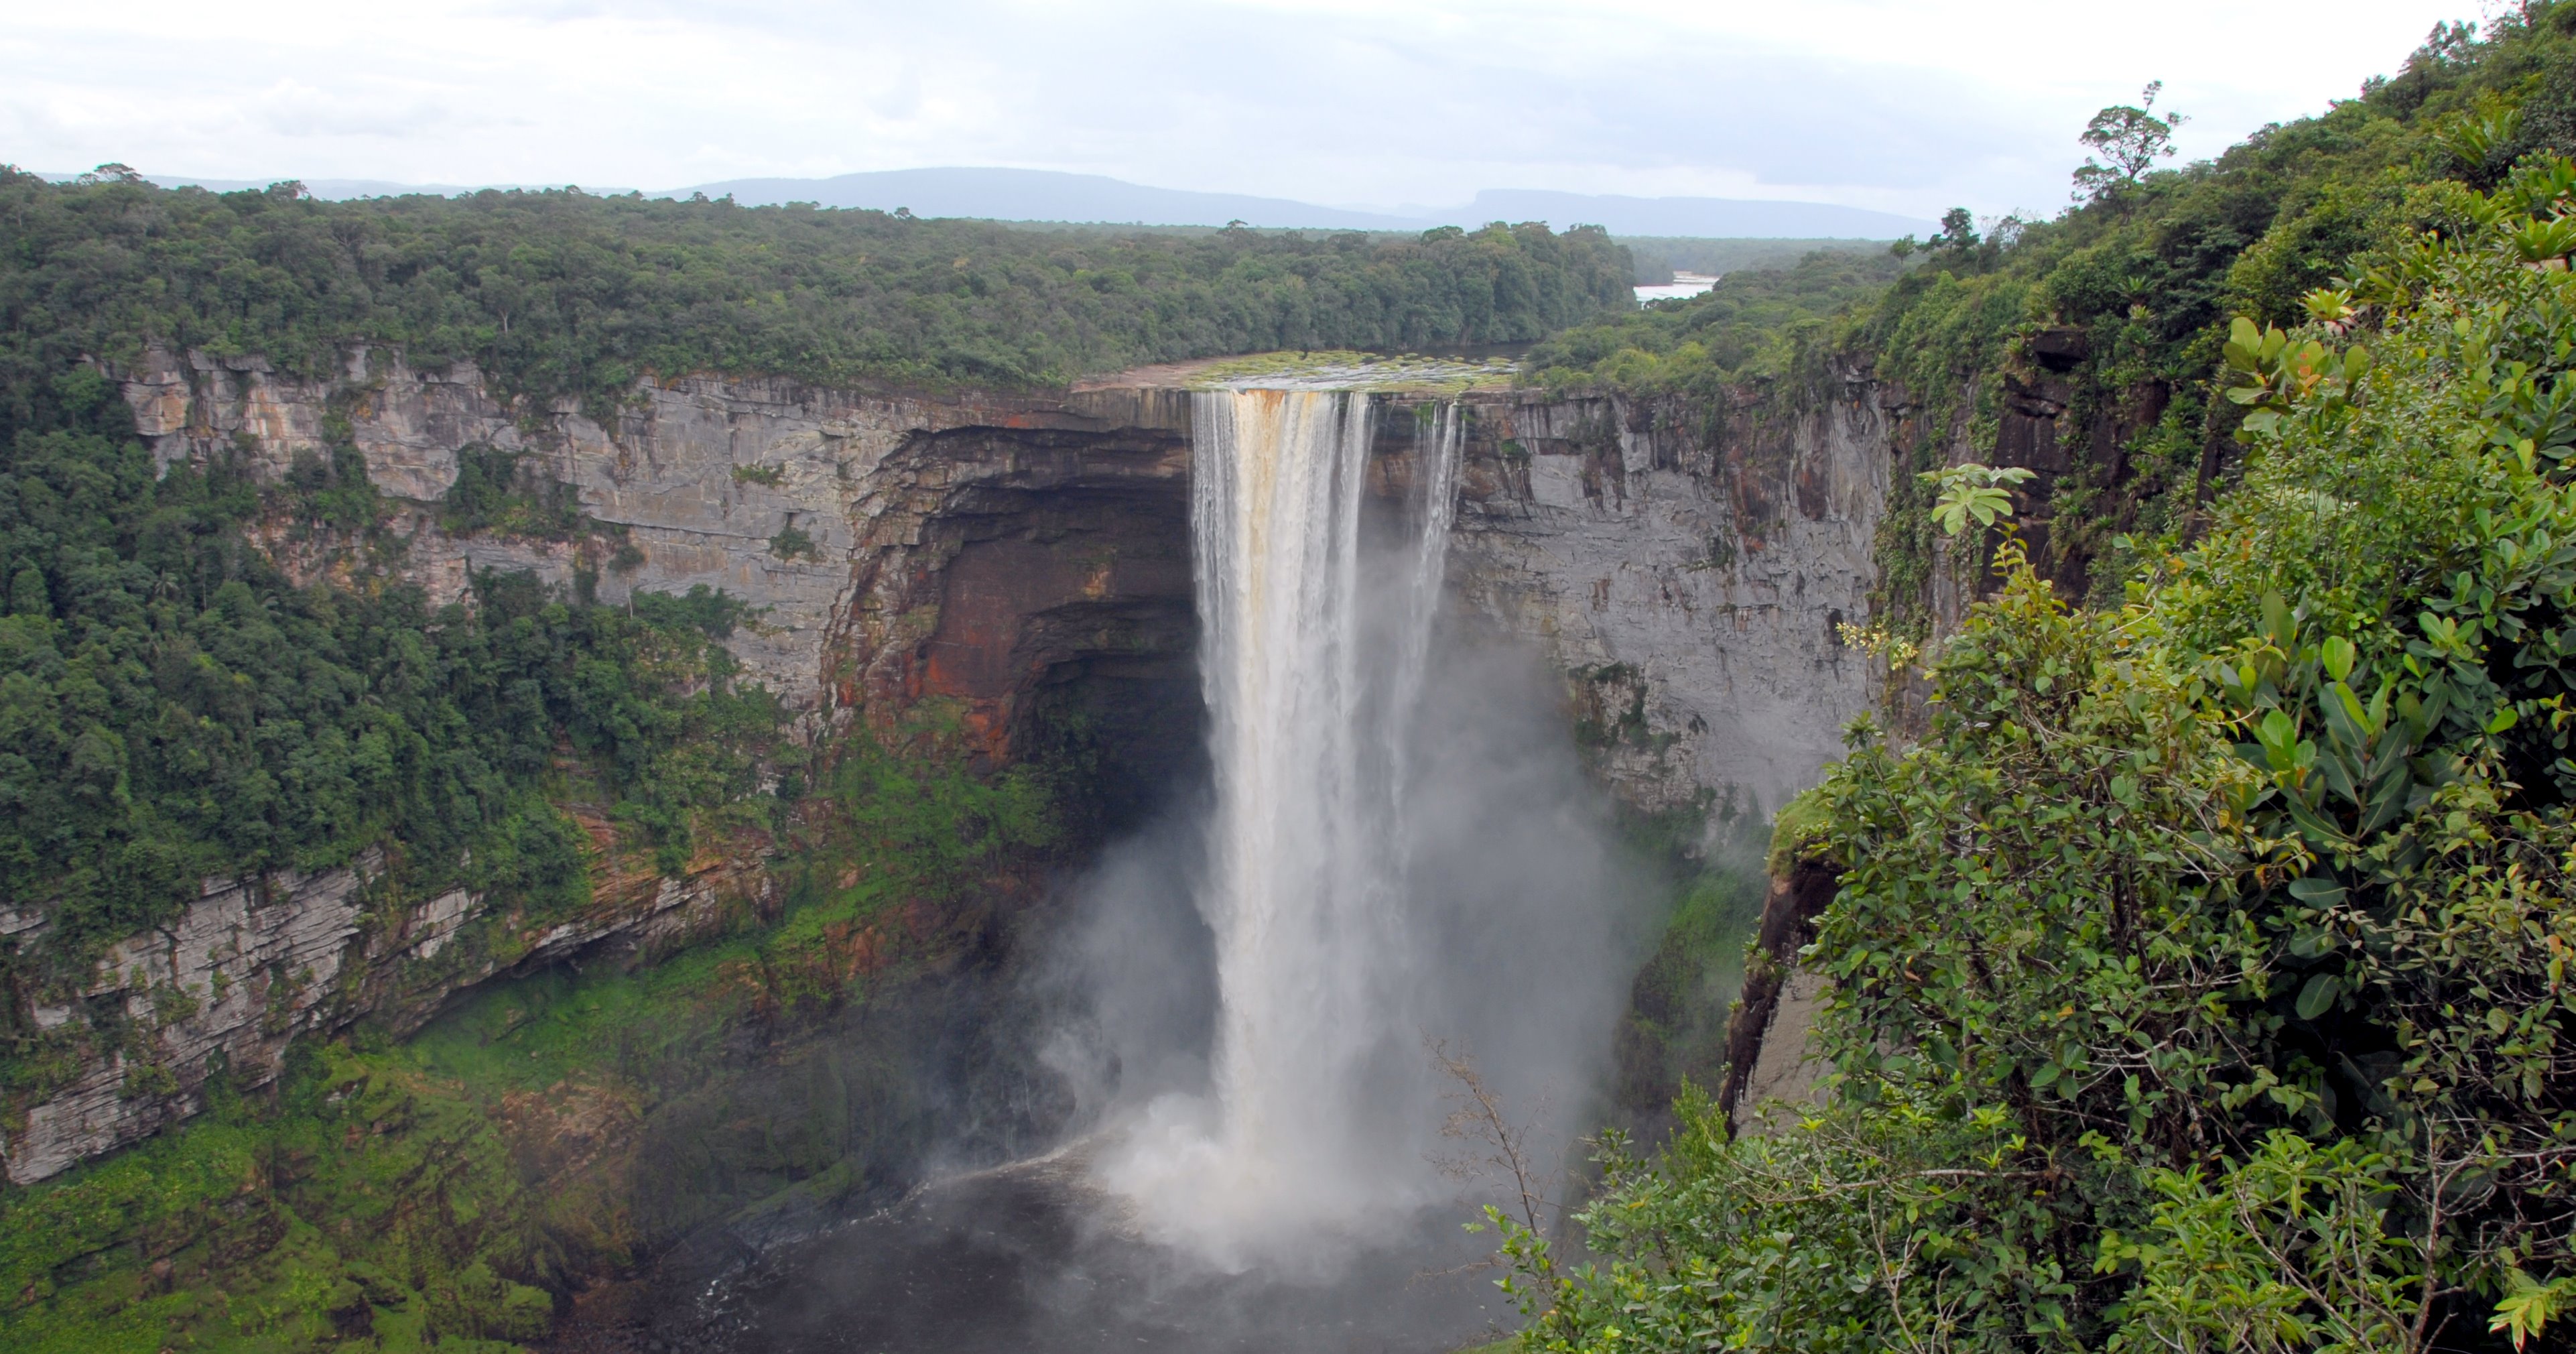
(2130, 139)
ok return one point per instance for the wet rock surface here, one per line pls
(1687, 571)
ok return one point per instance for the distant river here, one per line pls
(1683, 284)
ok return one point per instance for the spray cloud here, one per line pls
(1397, 846)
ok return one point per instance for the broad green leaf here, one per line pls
(2316, 890)
(2339, 655)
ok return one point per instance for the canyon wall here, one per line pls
(982, 567)
(1689, 571)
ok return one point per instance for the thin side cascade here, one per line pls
(1434, 510)
(1311, 666)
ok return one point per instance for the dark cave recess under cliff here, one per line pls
(1066, 632)
(1067, 628)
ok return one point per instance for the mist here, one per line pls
(1401, 855)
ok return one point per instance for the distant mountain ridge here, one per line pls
(1054, 196)
(1048, 195)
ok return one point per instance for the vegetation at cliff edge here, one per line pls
(2199, 970)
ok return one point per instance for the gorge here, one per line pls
(984, 575)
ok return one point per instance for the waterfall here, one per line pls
(1314, 652)
(1434, 505)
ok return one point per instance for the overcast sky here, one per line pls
(1909, 107)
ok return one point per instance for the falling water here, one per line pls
(1435, 508)
(1314, 652)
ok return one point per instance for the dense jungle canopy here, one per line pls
(563, 293)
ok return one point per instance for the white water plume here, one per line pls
(1397, 846)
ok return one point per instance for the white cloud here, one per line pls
(1907, 106)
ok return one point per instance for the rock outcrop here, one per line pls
(1770, 1051)
(252, 964)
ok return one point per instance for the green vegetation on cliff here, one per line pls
(370, 1203)
(2199, 976)
(563, 294)
(176, 707)
(2112, 314)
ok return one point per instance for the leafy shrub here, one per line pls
(792, 543)
(499, 492)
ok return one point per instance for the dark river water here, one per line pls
(1030, 1258)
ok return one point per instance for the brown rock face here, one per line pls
(1043, 596)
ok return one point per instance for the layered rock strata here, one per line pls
(251, 964)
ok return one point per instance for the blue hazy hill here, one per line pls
(1054, 196)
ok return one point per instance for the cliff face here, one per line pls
(701, 475)
(1002, 569)
(1688, 570)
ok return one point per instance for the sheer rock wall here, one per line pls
(1688, 572)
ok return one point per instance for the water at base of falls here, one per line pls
(1032, 1258)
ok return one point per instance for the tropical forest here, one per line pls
(751, 768)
